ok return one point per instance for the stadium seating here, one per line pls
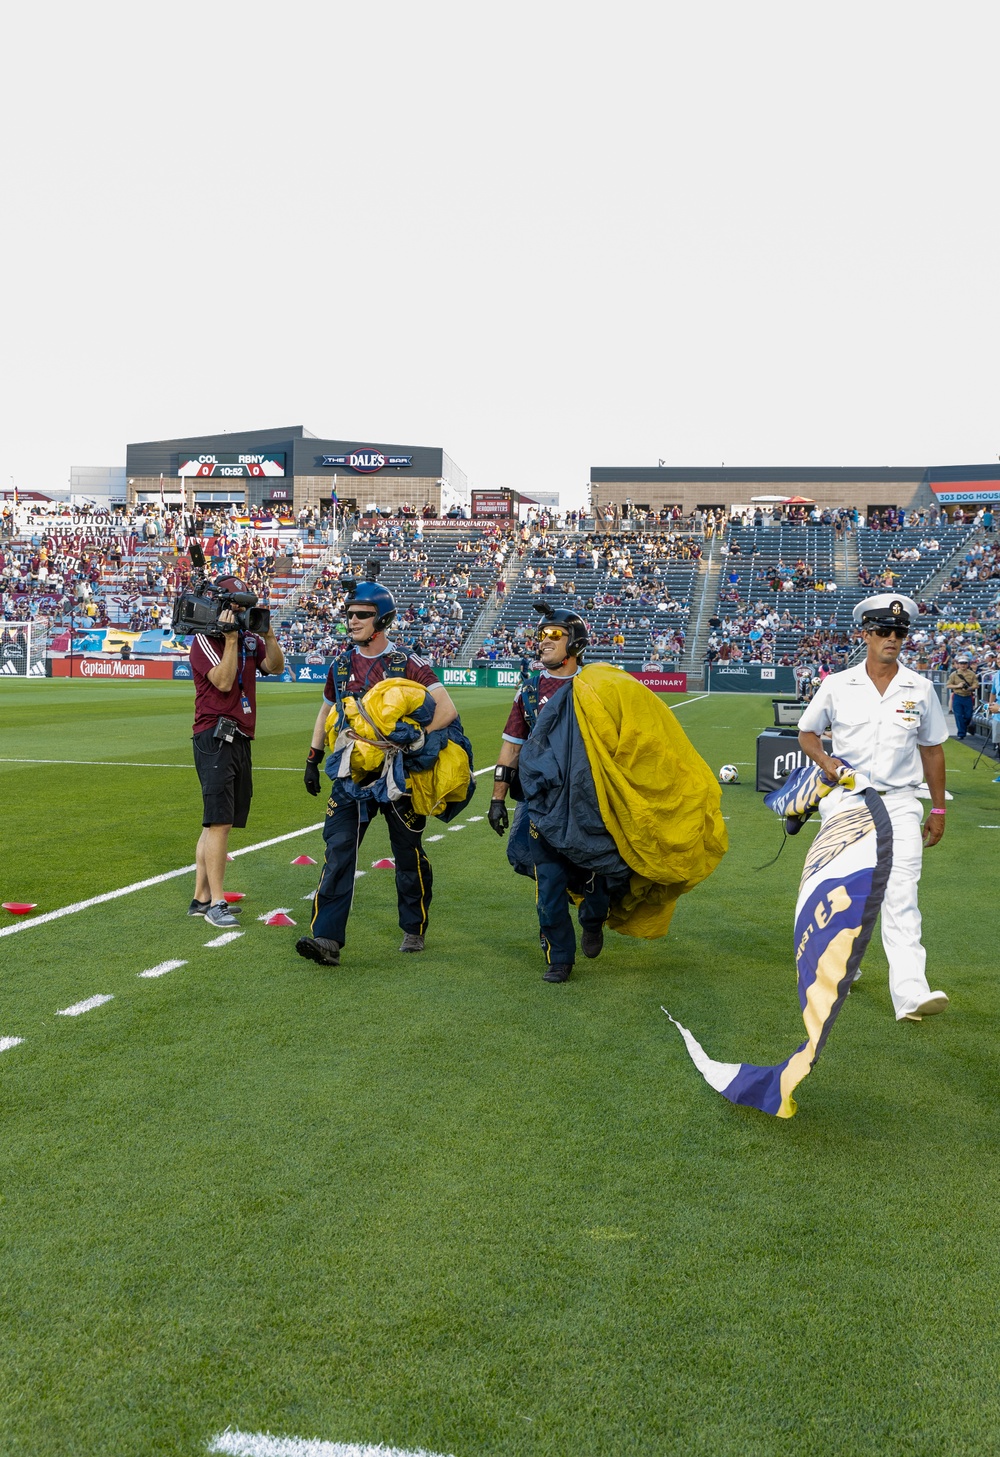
(441, 581)
(636, 596)
(785, 571)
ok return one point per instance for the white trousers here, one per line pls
(900, 920)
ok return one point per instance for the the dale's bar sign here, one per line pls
(367, 461)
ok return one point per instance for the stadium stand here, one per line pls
(783, 590)
(106, 569)
(786, 594)
(442, 581)
(634, 590)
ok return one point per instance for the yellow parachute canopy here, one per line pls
(387, 703)
(659, 800)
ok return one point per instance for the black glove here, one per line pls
(498, 816)
(311, 777)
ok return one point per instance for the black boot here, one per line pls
(592, 943)
(557, 972)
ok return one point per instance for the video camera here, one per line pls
(198, 609)
(349, 582)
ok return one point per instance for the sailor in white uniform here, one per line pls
(887, 722)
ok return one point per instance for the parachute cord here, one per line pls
(784, 838)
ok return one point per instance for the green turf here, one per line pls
(433, 1201)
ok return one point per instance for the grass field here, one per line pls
(434, 1202)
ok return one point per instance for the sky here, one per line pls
(543, 236)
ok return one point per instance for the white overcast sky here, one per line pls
(544, 236)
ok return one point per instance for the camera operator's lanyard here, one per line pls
(244, 700)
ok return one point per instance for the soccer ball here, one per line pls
(729, 774)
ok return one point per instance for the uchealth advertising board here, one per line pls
(749, 678)
(130, 670)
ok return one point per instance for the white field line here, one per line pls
(150, 764)
(88, 1006)
(262, 1444)
(453, 828)
(675, 706)
(111, 895)
(474, 819)
(225, 938)
(432, 838)
(142, 764)
(6, 1043)
(162, 969)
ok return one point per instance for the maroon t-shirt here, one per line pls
(366, 672)
(516, 728)
(209, 703)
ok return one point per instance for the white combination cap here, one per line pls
(885, 609)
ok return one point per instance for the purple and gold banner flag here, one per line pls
(840, 895)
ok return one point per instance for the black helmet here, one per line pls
(576, 628)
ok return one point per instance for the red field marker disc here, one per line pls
(19, 908)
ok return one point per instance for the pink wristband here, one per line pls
(937, 811)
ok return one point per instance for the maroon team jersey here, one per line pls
(209, 703)
(516, 729)
(366, 672)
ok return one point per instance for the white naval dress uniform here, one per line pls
(881, 735)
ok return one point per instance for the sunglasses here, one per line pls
(551, 634)
(362, 616)
(890, 631)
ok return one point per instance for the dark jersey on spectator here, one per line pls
(209, 703)
(366, 672)
(516, 728)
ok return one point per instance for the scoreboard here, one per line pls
(230, 466)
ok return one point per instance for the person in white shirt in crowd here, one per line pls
(887, 722)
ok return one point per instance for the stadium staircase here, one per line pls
(478, 632)
(693, 658)
(847, 574)
(287, 589)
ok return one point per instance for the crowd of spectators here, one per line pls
(111, 566)
(436, 606)
(981, 563)
(101, 566)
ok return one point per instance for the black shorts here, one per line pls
(226, 778)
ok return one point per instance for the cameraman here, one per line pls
(225, 662)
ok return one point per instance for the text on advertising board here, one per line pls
(132, 670)
(491, 503)
(954, 493)
(367, 461)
